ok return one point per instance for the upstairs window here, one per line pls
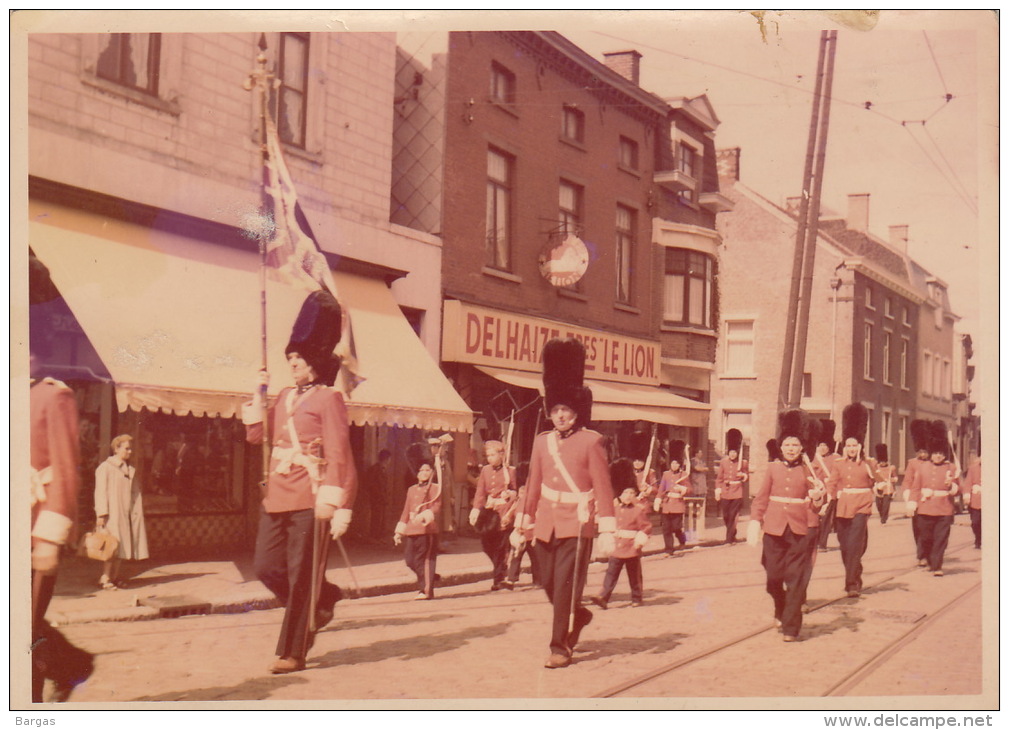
(499, 199)
(626, 218)
(570, 208)
(867, 353)
(502, 85)
(688, 160)
(293, 72)
(132, 60)
(628, 153)
(573, 124)
(739, 346)
(688, 290)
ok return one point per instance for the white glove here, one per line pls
(926, 493)
(606, 544)
(426, 517)
(878, 488)
(517, 539)
(823, 509)
(324, 511)
(954, 488)
(976, 489)
(753, 531)
(907, 494)
(473, 514)
(718, 493)
(912, 507)
(641, 539)
(397, 539)
(45, 556)
(658, 504)
(340, 522)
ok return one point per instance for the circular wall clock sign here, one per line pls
(564, 263)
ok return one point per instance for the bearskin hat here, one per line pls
(919, 434)
(622, 476)
(882, 453)
(418, 454)
(563, 378)
(638, 445)
(316, 333)
(854, 422)
(774, 451)
(937, 441)
(795, 423)
(678, 452)
(733, 440)
(825, 433)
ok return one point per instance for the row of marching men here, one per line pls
(806, 488)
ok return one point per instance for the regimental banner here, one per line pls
(490, 337)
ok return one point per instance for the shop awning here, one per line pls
(613, 401)
(177, 323)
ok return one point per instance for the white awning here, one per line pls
(177, 322)
(621, 401)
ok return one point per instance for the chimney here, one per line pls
(728, 164)
(898, 238)
(625, 63)
(858, 212)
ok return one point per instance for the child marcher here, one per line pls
(418, 525)
(495, 495)
(633, 531)
(886, 478)
(669, 502)
(516, 554)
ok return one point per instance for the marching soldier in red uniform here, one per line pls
(733, 472)
(886, 478)
(54, 486)
(972, 499)
(781, 509)
(850, 484)
(633, 531)
(919, 438)
(418, 523)
(934, 487)
(496, 491)
(669, 502)
(568, 496)
(312, 479)
(826, 454)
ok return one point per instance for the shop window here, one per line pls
(293, 99)
(132, 60)
(626, 219)
(688, 291)
(499, 204)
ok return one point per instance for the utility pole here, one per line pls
(798, 303)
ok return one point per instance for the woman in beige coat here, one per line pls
(119, 508)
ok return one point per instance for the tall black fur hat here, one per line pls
(564, 377)
(854, 422)
(882, 453)
(418, 454)
(638, 444)
(919, 434)
(622, 476)
(316, 333)
(794, 422)
(678, 452)
(825, 434)
(733, 440)
(937, 441)
(774, 451)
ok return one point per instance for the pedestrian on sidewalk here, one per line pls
(492, 512)
(850, 484)
(633, 530)
(375, 487)
(418, 524)
(886, 478)
(568, 495)
(935, 485)
(54, 456)
(119, 509)
(826, 455)
(669, 501)
(919, 438)
(781, 509)
(972, 498)
(312, 479)
(733, 473)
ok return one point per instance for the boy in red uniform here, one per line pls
(669, 502)
(312, 479)
(850, 484)
(919, 437)
(418, 523)
(886, 478)
(568, 495)
(633, 530)
(733, 472)
(934, 487)
(825, 455)
(495, 490)
(972, 499)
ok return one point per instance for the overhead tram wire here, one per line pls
(952, 170)
(970, 205)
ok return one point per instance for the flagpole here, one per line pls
(259, 79)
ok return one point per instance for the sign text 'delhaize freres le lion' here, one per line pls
(489, 337)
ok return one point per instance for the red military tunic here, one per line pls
(673, 488)
(887, 475)
(909, 472)
(550, 504)
(54, 456)
(422, 501)
(495, 491)
(850, 483)
(941, 479)
(970, 481)
(730, 477)
(782, 500)
(648, 487)
(320, 420)
(632, 521)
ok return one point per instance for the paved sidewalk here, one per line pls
(161, 589)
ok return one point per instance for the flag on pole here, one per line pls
(291, 250)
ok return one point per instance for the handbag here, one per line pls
(99, 545)
(487, 521)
